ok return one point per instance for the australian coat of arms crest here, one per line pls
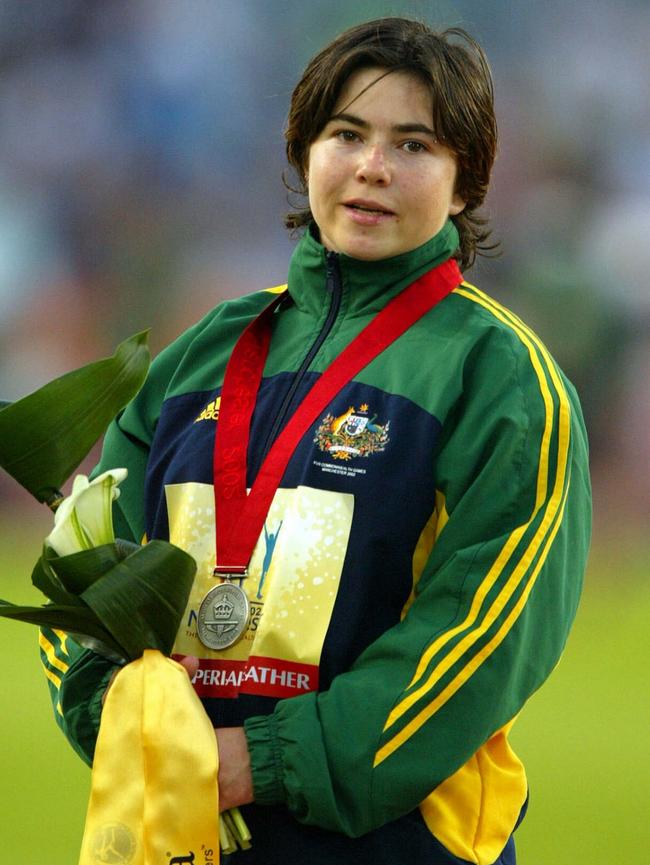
(352, 434)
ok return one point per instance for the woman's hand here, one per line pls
(235, 778)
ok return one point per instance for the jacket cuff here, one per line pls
(81, 701)
(266, 759)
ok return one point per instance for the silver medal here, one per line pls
(223, 616)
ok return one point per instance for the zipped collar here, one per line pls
(366, 285)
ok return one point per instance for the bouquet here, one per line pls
(125, 602)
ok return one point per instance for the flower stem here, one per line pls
(226, 840)
(240, 824)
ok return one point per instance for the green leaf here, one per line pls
(46, 581)
(78, 571)
(74, 620)
(63, 578)
(116, 605)
(142, 599)
(105, 647)
(44, 436)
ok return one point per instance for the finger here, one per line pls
(190, 663)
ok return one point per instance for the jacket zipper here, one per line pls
(333, 286)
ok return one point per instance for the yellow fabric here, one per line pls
(154, 795)
(428, 537)
(306, 529)
(441, 508)
(474, 812)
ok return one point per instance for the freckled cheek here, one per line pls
(326, 180)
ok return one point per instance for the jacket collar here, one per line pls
(367, 285)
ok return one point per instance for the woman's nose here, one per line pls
(373, 166)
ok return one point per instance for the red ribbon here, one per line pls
(240, 517)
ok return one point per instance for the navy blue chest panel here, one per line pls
(373, 445)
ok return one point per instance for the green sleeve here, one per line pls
(71, 671)
(77, 677)
(491, 613)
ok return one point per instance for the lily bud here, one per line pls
(84, 519)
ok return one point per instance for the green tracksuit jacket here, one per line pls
(416, 579)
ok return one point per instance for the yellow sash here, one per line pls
(154, 794)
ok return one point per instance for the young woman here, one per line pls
(404, 572)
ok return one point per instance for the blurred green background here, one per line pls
(583, 737)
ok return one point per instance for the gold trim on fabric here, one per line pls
(475, 810)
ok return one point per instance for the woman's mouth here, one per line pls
(369, 207)
(368, 213)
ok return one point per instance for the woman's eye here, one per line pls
(414, 146)
(346, 135)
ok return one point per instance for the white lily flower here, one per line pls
(84, 519)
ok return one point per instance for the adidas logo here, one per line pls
(211, 411)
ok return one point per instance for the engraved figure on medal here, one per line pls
(223, 616)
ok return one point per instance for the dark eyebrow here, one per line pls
(349, 118)
(400, 127)
(415, 127)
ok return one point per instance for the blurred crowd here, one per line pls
(141, 161)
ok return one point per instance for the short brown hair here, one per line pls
(451, 64)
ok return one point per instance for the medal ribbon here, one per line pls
(240, 517)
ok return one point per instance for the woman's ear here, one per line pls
(457, 205)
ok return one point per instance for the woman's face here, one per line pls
(379, 182)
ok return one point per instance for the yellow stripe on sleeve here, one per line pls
(470, 668)
(553, 506)
(50, 654)
(56, 681)
(63, 640)
(514, 539)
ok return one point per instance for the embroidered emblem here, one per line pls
(211, 411)
(352, 434)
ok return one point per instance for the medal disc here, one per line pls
(223, 616)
